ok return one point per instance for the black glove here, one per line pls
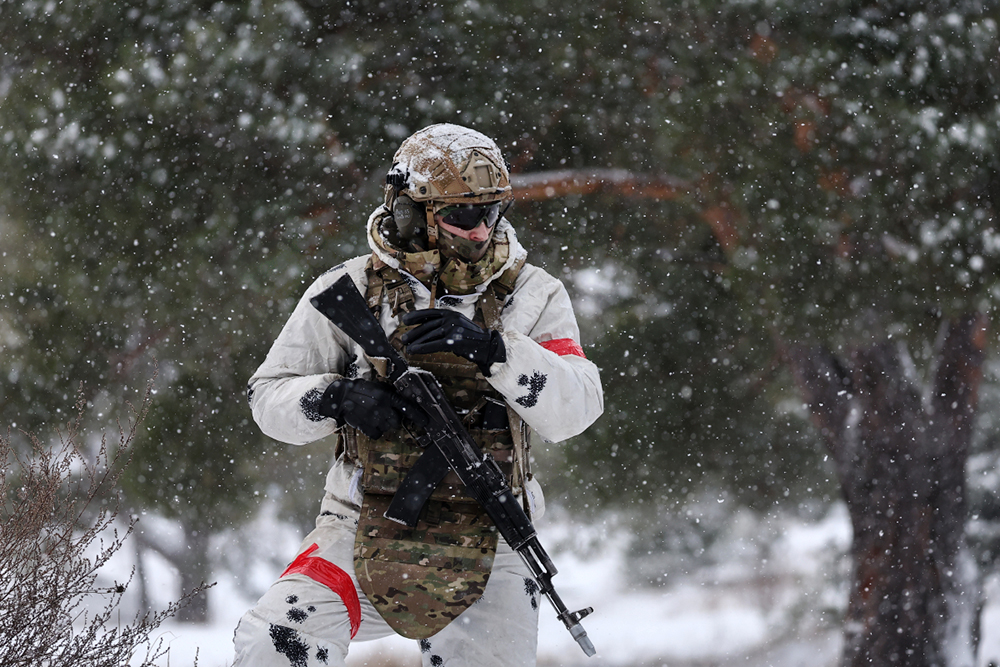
(449, 331)
(374, 408)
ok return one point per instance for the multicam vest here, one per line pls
(421, 579)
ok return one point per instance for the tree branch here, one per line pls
(542, 185)
(826, 386)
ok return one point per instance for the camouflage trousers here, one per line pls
(312, 613)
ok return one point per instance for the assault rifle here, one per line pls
(447, 446)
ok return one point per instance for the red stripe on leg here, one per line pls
(333, 578)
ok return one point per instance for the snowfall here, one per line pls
(770, 594)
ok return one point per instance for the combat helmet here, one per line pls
(442, 165)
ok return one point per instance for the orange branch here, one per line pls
(544, 185)
(540, 186)
(722, 219)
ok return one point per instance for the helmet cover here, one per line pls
(449, 164)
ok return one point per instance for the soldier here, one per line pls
(448, 281)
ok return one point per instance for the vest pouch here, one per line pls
(384, 467)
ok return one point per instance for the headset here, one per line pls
(409, 216)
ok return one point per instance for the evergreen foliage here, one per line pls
(176, 172)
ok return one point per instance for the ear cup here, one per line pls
(410, 220)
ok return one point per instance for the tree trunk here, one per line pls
(193, 566)
(140, 574)
(191, 560)
(900, 455)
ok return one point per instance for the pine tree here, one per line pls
(794, 203)
(158, 170)
(852, 148)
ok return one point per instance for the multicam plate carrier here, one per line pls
(420, 579)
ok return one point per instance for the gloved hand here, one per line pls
(443, 330)
(374, 408)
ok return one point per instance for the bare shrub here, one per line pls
(57, 529)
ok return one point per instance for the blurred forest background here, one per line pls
(777, 220)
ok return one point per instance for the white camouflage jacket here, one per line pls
(546, 379)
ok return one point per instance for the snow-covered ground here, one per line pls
(776, 610)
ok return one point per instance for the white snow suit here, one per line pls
(315, 609)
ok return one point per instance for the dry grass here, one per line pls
(57, 529)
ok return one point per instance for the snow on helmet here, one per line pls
(440, 165)
(451, 164)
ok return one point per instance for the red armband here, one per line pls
(564, 346)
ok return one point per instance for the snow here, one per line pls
(760, 605)
(420, 155)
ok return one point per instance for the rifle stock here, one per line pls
(342, 304)
(447, 446)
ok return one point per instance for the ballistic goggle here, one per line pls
(469, 216)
